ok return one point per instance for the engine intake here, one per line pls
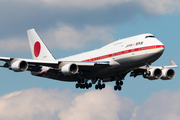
(167, 74)
(19, 66)
(69, 69)
(153, 74)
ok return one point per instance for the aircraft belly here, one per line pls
(56, 75)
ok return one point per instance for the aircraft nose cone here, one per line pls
(160, 49)
(160, 46)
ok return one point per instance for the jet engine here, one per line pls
(153, 74)
(19, 66)
(69, 69)
(167, 74)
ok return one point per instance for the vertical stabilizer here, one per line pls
(38, 49)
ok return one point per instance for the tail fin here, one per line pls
(38, 49)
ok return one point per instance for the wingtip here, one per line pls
(172, 63)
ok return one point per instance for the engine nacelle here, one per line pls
(153, 74)
(19, 66)
(69, 69)
(167, 74)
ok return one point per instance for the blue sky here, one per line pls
(69, 28)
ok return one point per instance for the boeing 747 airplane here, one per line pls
(112, 62)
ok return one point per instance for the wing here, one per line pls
(156, 72)
(172, 65)
(9, 62)
(19, 64)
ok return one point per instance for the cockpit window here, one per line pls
(150, 36)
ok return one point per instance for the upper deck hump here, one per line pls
(129, 39)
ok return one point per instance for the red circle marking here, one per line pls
(37, 48)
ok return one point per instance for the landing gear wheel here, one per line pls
(96, 87)
(100, 87)
(119, 88)
(87, 86)
(82, 86)
(115, 87)
(121, 83)
(103, 85)
(90, 85)
(117, 83)
(77, 85)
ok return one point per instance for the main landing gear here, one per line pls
(118, 85)
(100, 86)
(82, 84)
